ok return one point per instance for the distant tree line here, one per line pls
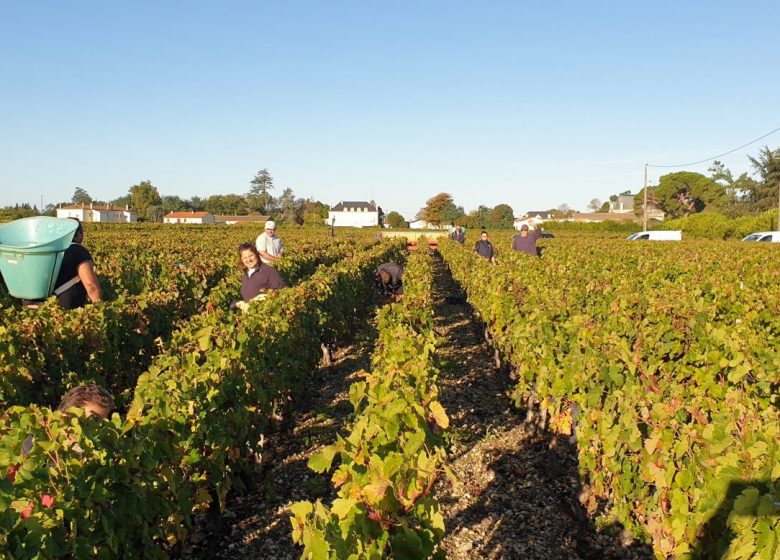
(146, 200)
(685, 193)
(441, 210)
(17, 211)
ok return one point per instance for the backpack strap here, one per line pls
(67, 285)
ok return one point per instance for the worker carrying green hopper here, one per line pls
(76, 282)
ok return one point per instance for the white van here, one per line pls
(766, 236)
(658, 235)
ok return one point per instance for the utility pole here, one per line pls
(644, 204)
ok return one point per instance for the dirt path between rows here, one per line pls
(515, 498)
(257, 525)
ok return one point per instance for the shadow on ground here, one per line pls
(256, 524)
(516, 492)
(716, 535)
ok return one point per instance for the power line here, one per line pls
(719, 155)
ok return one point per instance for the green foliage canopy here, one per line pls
(81, 196)
(146, 200)
(230, 204)
(396, 220)
(685, 193)
(440, 210)
(502, 217)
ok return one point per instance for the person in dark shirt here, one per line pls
(258, 277)
(76, 282)
(525, 241)
(388, 278)
(458, 235)
(484, 248)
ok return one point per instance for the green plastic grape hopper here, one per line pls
(31, 251)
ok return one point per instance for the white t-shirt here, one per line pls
(268, 244)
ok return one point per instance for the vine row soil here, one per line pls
(515, 493)
(256, 524)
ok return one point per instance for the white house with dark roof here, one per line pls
(623, 205)
(532, 219)
(350, 213)
(98, 213)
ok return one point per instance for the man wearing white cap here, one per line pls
(269, 245)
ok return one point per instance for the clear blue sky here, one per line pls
(527, 103)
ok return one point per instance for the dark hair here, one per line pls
(247, 247)
(384, 277)
(87, 394)
(483, 231)
(80, 228)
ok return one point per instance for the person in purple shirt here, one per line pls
(525, 241)
(258, 277)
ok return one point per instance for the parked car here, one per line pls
(658, 235)
(766, 236)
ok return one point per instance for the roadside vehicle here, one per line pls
(658, 235)
(765, 236)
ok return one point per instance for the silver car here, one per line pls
(765, 236)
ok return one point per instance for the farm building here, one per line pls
(532, 219)
(354, 214)
(623, 205)
(422, 224)
(595, 217)
(98, 213)
(189, 218)
(230, 220)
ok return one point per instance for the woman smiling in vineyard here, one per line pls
(258, 277)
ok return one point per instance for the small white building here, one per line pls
(422, 224)
(532, 219)
(188, 218)
(623, 205)
(98, 213)
(252, 219)
(354, 214)
(596, 217)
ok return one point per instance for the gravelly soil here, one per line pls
(516, 491)
(257, 524)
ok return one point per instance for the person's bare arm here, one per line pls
(90, 280)
(264, 253)
(268, 256)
